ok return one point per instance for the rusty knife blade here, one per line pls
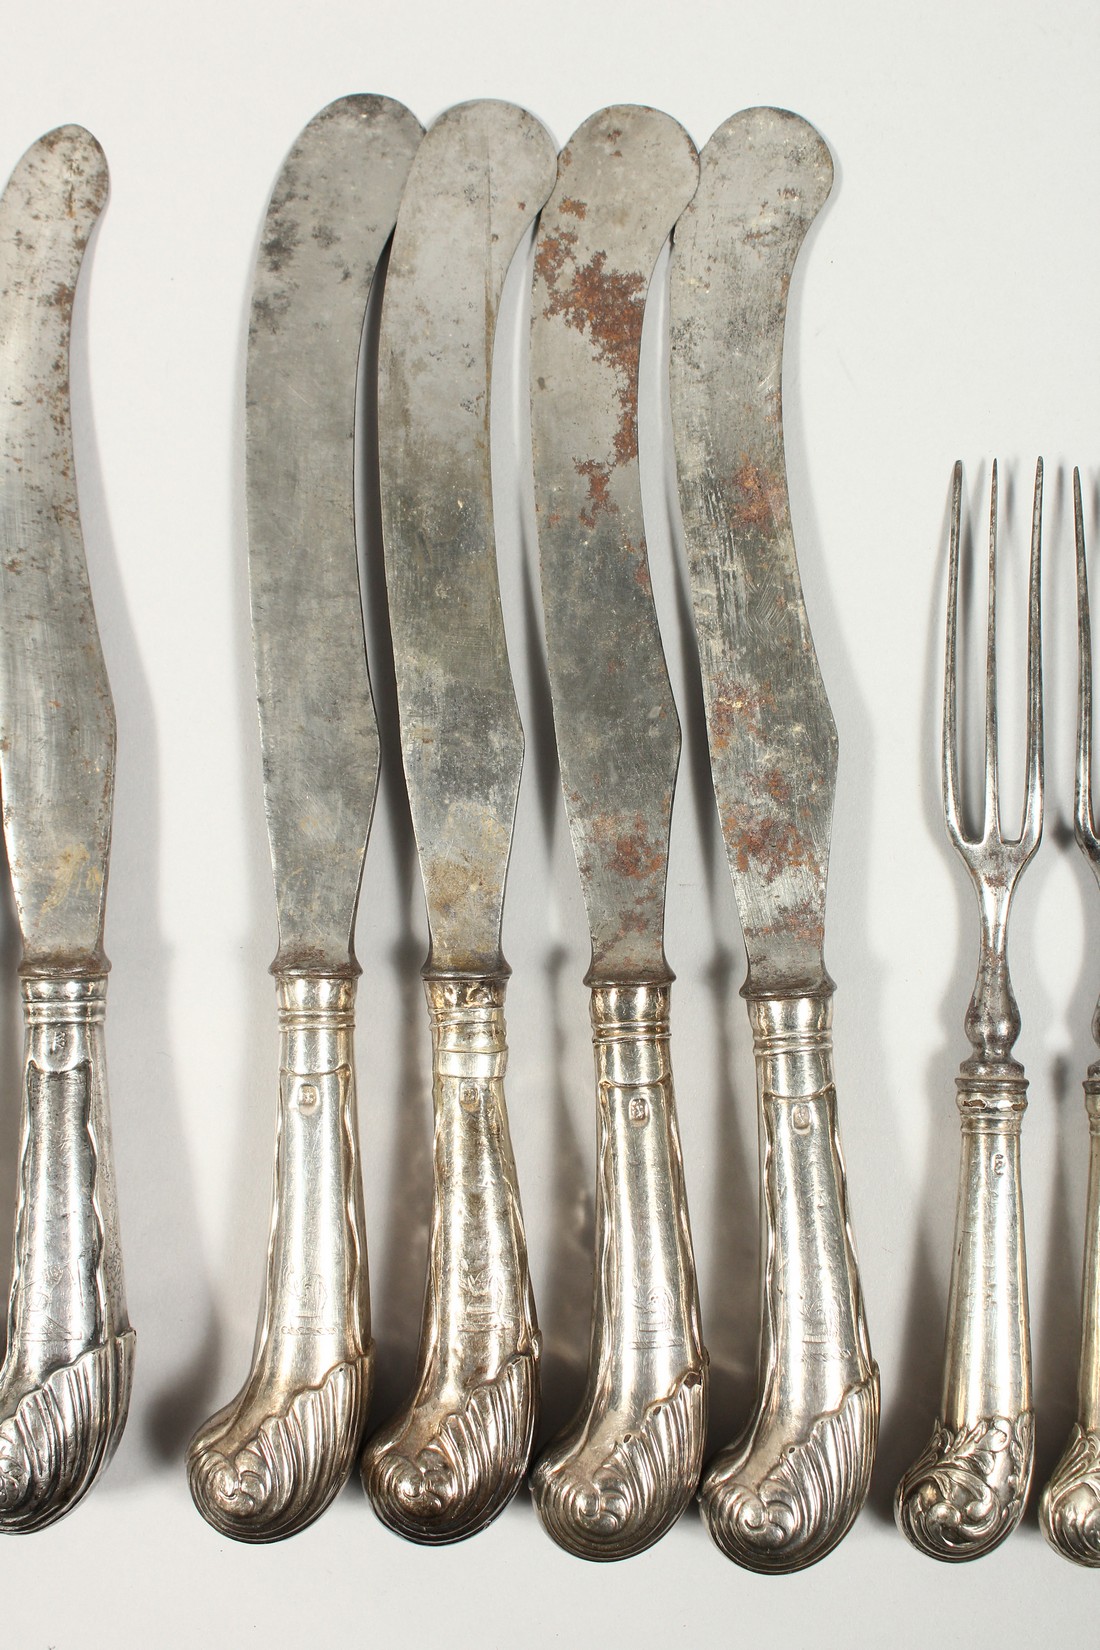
(624, 177)
(481, 175)
(57, 721)
(330, 215)
(764, 176)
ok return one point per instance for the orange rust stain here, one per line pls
(599, 496)
(634, 855)
(734, 707)
(758, 496)
(607, 306)
(770, 846)
(574, 208)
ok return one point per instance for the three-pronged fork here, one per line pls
(966, 1492)
(1070, 1509)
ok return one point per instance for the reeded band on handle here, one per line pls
(1069, 1511)
(785, 1493)
(449, 1462)
(967, 1491)
(270, 1462)
(627, 1466)
(65, 1383)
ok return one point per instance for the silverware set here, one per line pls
(454, 205)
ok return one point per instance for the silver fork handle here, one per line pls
(456, 1455)
(270, 1462)
(1069, 1511)
(789, 1489)
(627, 1466)
(65, 1383)
(967, 1491)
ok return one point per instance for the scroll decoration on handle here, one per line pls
(625, 1468)
(967, 1491)
(783, 1495)
(65, 1381)
(457, 1451)
(272, 1460)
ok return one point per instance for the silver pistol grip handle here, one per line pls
(65, 1383)
(967, 1491)
(628, 1464)
(270, 1462)
(1069, 1511)
(789, 1489)
(449, 1462)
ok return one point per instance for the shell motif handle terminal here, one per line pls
(270, 1462)
(628, 1464)
(65, 1383)
(1069, 1511)
(447, 1464)
(789, 1489)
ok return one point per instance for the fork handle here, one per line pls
(785, 1493)
(967, 1491)
(1069, 1511)
(454, 1457)
(65, 1384)
(270, 1462)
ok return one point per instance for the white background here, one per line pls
(945, 305)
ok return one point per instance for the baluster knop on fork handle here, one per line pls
(1069, 1511)
(966, 1492)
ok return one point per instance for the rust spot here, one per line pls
(632, 853)
(607, 306)
(770, 846)
(62, 295)
(738, 707)
(574, 208)
(758, 496)
(599, 482)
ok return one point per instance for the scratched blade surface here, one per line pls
(623, 179)
(57, 723)
(764, 176)
(482, 173)
(330, 216)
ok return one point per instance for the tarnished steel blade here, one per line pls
(331, 214)
(482, 173)
(623, 179)
(765, 175)
(57, 721)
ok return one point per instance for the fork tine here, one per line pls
(950, 670)
(991, 824)
(1084, 824)
(1032, 826)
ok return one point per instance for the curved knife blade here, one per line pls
(328, 221)
(764, 177)
(624, 177)
(57, 722)
(478, 181)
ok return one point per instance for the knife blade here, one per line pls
(626, 1466)
(783, 1495)
(271, 1461)
(65, 1382)
(456, 1453)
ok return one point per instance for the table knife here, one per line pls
(454, 1456)
(629, 1462)
(783, 1495)
(65, 1382)
(271, 1461)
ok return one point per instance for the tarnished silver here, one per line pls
(455, 1455)
(65, 1382)
(785, 1493)
(271, 1461)
(627, 1465)
(966, 1492)
(1069, 1510)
